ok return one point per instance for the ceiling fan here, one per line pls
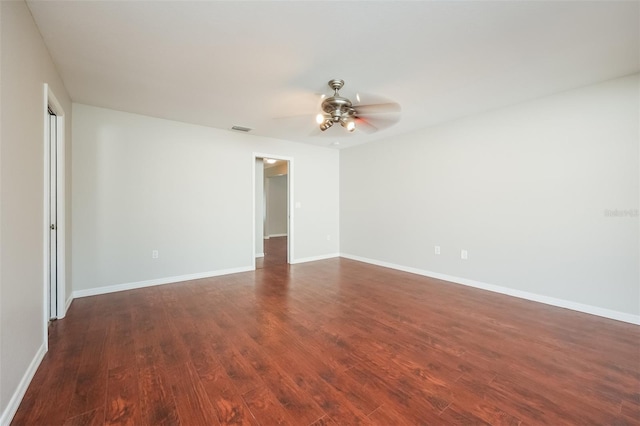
(338, 109)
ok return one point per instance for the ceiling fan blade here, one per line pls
(379, 123)
(295, 104)
(362, 124)
(378, 108)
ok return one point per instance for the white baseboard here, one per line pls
(68, 304)
(314, 258)
(561, 303)
(274, 236)
(159, 281)
(16, 398)
(260, 255)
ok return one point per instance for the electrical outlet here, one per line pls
(464, 255)
(154, 254)
(436, 249)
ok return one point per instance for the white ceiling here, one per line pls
(225, 63)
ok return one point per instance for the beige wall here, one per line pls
(25, 68)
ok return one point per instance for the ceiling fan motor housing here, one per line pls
(336, 105)
(336, 108)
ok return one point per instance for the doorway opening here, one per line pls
(273, 219)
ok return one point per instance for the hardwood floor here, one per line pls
(334, 342)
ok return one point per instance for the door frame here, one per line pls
(290, 204)
(51, 102)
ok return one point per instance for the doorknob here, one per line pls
(53, 226)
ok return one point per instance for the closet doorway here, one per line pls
(55, 300)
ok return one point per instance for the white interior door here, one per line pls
(53, 208)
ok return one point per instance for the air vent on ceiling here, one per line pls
(241, 128)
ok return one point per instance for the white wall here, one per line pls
(276, 190)
(25, 68)
(143, 184)
(524, 189)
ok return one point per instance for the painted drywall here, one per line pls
(25, 67)
(276, 205)
(543, 195)
(143, 184)
(259, 207)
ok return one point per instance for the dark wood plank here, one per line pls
(91, 418)
(157, 405)
(192, 402)
(325, 421)
(265, 406)
(123, 403)
(228, 403)
(91, 380)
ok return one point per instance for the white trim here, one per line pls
(275, 235)
(158, 281)
(61, 216)
(16, 398)
(68, 303)
(260, 255)
(46, 213)
(290, 208)
(253, 210)
(315, 258)
(561, 303)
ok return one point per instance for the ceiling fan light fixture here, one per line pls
(351, 126)
(348, 122)
(320, 118)
(327, 123)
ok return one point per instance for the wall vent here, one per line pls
(241, 128)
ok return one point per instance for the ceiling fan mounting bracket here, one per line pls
(336, 84)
